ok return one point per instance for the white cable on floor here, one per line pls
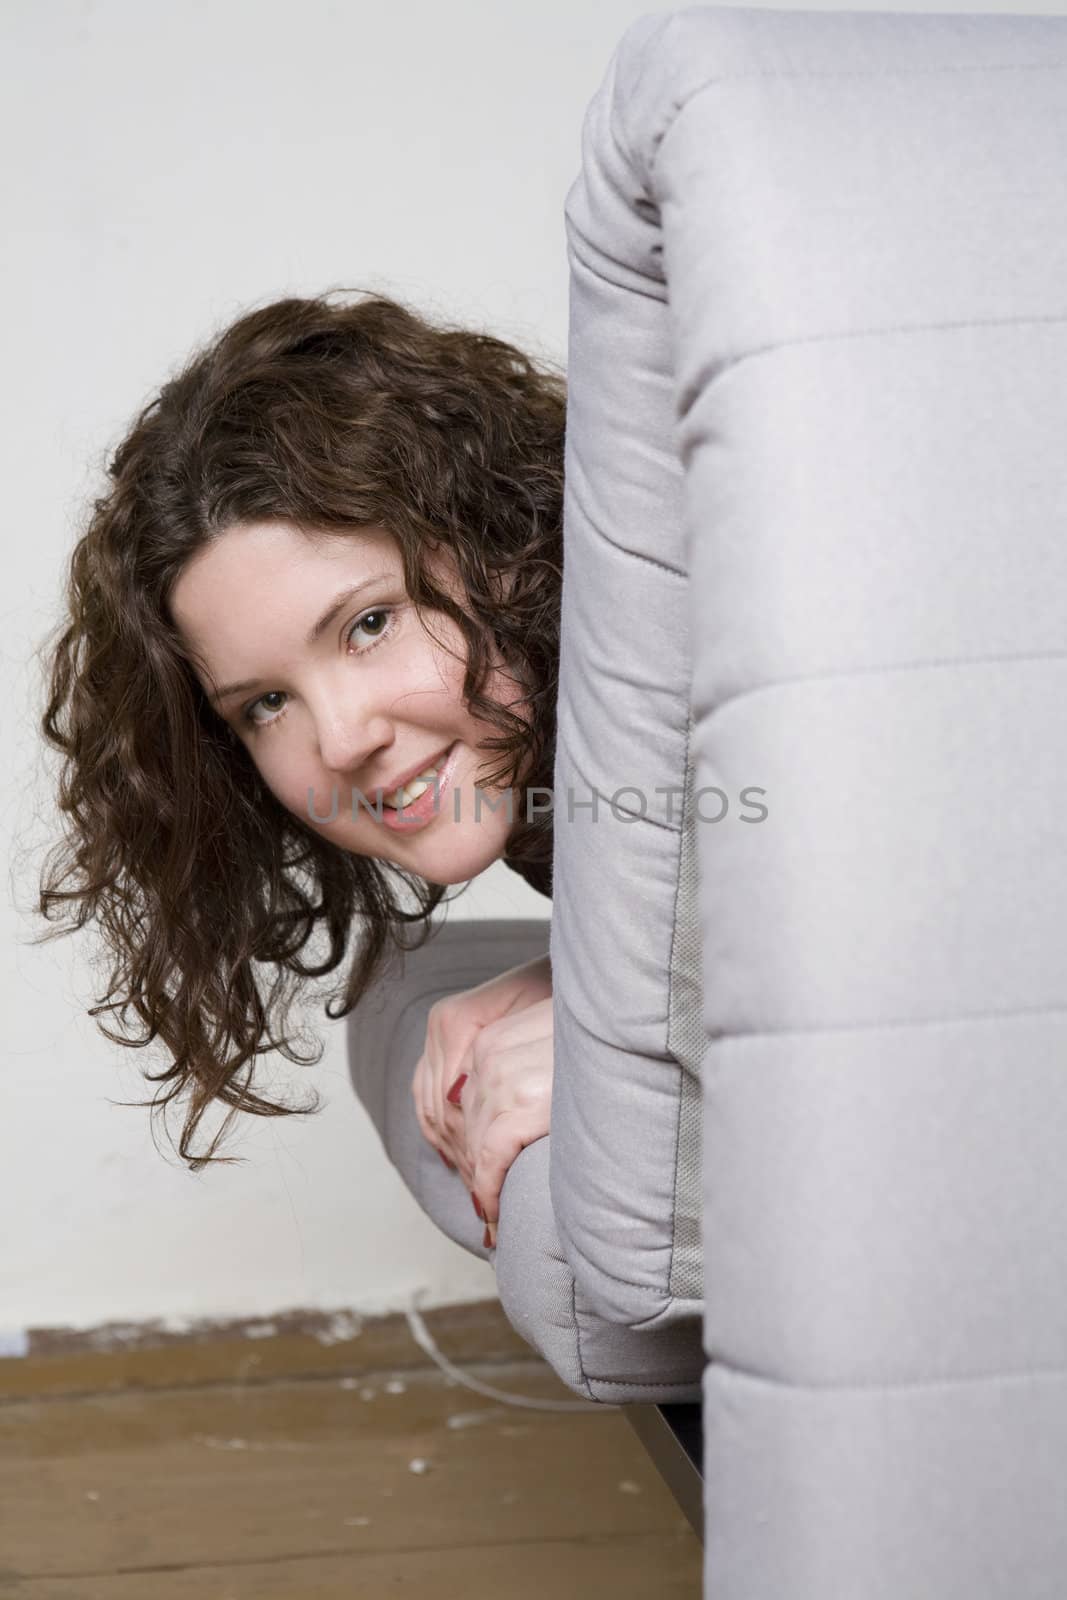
(422, 1336)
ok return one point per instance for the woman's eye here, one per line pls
(369, 618)
(379, 624)
(263, 722)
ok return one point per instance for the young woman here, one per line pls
(327, 565)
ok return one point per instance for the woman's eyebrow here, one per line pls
(314, 634)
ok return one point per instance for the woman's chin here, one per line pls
(445, 867)
(448, 854)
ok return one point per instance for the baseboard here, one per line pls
(295, 1343)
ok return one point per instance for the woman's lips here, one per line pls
(427, 806)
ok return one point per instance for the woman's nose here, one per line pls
(348, 738)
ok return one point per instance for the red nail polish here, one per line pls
(487, 1241)
(445, 1159)
(477, 1208)
(456, 1090)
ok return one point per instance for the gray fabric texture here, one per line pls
(816, 498)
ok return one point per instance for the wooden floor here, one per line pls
(311, 1468)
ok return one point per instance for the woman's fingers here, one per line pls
(483, 1086)
(453, 1025)
(420, 1094)
(506, 1138)
(447, 1045)
(454, 1140)
(441, 1124)
(508, 1100)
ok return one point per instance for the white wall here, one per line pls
(167, 165)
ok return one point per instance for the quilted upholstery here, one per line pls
(821, 264)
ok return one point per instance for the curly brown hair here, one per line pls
(332, 415)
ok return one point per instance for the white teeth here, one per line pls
(410, 794)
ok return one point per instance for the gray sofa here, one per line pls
(808, 1160)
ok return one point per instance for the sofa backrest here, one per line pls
(815, 510)
(625, 1169)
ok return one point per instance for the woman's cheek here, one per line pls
(306, 796)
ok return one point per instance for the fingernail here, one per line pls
(446, 1161)
(480, 1213)
(456, 1090)
(488, 1239)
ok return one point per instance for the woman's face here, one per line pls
(341, 693)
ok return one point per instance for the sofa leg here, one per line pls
(673, 1435)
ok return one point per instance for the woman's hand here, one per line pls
(453, 1025)
(506, 1098)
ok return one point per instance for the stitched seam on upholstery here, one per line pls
(798, 74)
(624, 1383)
(887, 1023)
(873, 1386)
(628, 1283)
(881, 669)
(677, 1303)
(647, 62)
(576, 238)
(574, 495)
(637, 555)
(670, 980)
(706, 377)
(583, 1375)
(635, 816)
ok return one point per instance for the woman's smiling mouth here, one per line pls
(421, 799)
